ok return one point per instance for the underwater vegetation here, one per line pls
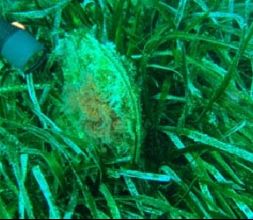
(142, 109)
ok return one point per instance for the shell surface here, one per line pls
(100, 98)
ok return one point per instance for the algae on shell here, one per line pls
(100, 97)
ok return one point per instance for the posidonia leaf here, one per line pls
(35, 14)
(139, 175)
(110, 201)
(210, 141)
(41, 180)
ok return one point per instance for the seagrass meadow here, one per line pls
(143, 109)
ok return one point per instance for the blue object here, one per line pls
(19, 47)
